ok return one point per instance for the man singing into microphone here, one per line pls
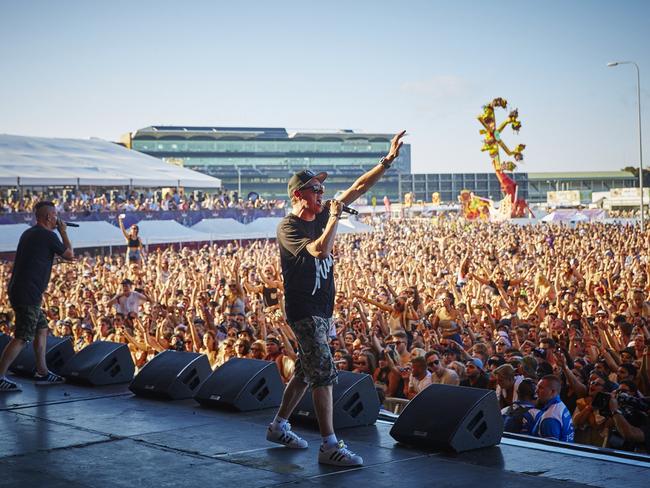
(29, 279)
(306, 238)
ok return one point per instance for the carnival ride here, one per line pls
(511, 206)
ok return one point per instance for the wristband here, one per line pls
(385, 163)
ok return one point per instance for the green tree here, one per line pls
(635, 171)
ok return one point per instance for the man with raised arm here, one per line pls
(306, 239)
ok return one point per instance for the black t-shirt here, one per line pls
(482, 382)
(270, 296)
(308, 281)
(33, 265)
(493, 286)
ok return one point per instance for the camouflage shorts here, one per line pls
(29, 319)
(314, 365)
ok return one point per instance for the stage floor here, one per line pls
(73, 436)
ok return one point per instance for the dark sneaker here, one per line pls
(48, 379)
(8, 385)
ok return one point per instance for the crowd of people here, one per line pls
(119, 200)
(554, 319)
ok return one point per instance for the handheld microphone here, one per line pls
(345, 209)
(71, 224)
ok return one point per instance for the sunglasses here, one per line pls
(318, 189)
(435, 362)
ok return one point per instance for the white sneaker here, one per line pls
(286, 437)
(339, 455)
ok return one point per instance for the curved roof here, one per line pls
(41, 161)
(255, 133)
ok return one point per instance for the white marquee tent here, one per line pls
(222, 229)
(88, 234)
(164, 231)
(265, 227)
(104, 234)
(95, 234)
(352, 226)
(40, 161)
(10, 235)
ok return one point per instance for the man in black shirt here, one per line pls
(476, 377)
(306, 238)
(29, 279)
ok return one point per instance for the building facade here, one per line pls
(261, 160)
(449, 185)
(587, 182)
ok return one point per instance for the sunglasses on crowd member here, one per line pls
(435, 362)
(318, 189)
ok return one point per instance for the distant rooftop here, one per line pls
(45, 161)
(623, 175)
(242, 133)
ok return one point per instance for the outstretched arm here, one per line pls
(381, 306)
(368, 179)
(120, 221)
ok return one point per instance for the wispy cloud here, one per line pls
(437, 86)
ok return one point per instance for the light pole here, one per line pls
(638, 94)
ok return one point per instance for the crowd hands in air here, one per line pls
(418, 302)
(88, 201)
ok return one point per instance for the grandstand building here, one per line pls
(587, 182)
(449, 185)
(250, 159)
(261, 159)
(534, 187)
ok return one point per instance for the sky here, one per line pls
(101, 69)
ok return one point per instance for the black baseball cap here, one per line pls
(301, 178)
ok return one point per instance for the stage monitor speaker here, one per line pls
(355, 399)
(100, 363)
(58, 351)
(172, 375)
(244, 385)
(447, 417)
